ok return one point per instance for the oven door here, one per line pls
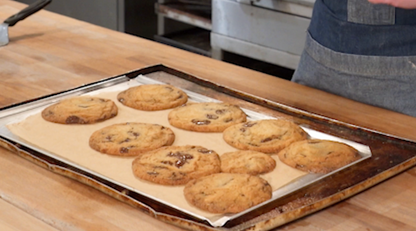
(295, 7)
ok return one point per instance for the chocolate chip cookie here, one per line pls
(227, 192)
(153, 97)
(318, 156)
(131, 139)
(80, 110)
(247, 161)
(206, 117)
(268, 136)
(176, 165)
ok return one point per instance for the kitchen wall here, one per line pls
(131, 16)
(138, 17)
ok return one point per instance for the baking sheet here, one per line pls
(69, 144)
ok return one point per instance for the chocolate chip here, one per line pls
(167, 162)
(74, 120)
(182, 158)
(181, 162)
(268, 139)
(201, 122)
(121, 100)
(212, 117)
(135, 134)
(273, 137)
(220, 111)
(299, 166)
(124, 150)
(108, 138)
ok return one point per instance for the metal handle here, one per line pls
(31, 9)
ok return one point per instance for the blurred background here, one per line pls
(263, 35)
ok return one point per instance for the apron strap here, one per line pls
(364, 12)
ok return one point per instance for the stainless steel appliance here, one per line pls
(268, 30)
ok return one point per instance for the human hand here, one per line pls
(406, 4)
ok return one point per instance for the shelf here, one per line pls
(192, 14)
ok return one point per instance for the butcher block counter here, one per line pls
(50, 53)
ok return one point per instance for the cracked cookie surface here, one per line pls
(80, 110)
(247, 161)
(227, 192)
(130, 139)
(318, 156)
(206, 117)
(268, 136)
(152, 97)
(176, 165)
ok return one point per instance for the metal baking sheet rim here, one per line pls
(27, 109)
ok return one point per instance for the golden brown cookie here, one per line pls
(247, 161)
(176, 165)
(153, 97)
(206, 117)
(227, 192)
(268, 136)
(131, 139)
(80, 110)
(318, 156)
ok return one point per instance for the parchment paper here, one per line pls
(71, 143)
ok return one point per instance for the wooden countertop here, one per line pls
(49, 53)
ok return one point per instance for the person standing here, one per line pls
(364, 50)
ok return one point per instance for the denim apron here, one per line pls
(362, 51)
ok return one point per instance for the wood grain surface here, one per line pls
(48, 53)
